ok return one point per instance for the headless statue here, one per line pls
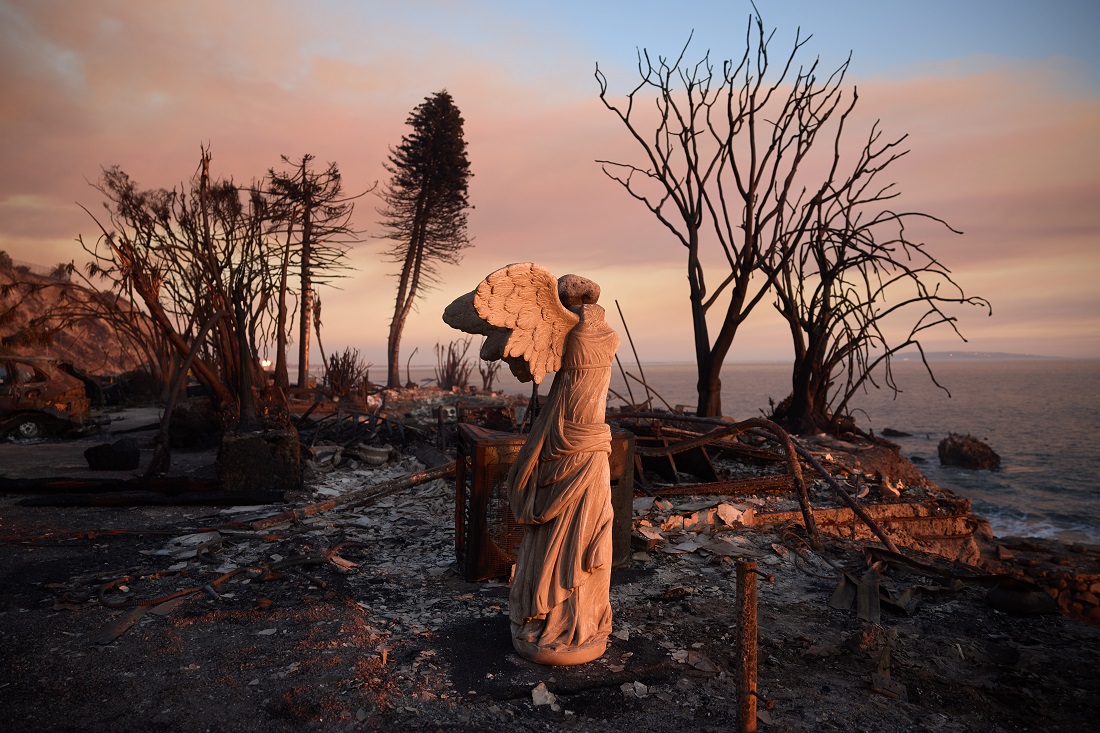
(559, 487)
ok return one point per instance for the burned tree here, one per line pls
(193, 255)
(858, 291)
(725, 166)
(312, 215)
(426, 205)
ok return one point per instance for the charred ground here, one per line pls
(357, 619)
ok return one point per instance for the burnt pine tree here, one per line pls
(426, 205)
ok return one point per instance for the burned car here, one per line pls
(41, 396)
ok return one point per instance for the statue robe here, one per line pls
(560, 488)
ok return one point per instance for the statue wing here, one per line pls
(523, 298)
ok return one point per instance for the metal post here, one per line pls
(746, 617)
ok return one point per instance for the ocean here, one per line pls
(1041, 415)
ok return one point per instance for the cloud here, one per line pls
(1008, 154)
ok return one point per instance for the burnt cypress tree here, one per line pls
(426, 207)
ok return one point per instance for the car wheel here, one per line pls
(30, 428)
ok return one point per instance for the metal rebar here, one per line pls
(636, 359)
(626, 381)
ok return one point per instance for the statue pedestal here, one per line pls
(563, 658)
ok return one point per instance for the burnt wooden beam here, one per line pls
(170, 485)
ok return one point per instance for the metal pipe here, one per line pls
(746, 651)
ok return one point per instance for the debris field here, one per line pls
(356, 617)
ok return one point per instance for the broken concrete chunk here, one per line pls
(699, 661)
(729, 514)
(723, 547)
(326, 454)
(699, 521)
(675, 523)
(540, 696)
(891, 490)
(689, 545)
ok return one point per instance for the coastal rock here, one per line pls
(966, 451)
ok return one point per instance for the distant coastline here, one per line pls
(960, 355)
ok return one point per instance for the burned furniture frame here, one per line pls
(486, 533)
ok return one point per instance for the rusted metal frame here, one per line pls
(779, 434)
(133, 602)
(726, 443)
(848, 499)
(770, 430)
(375, 421)
(761, 484)
(699, 442)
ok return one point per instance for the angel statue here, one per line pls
(560, 485)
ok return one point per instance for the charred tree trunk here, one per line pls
(282, 375)
(406, 294)
(307, 285)
(803, 411)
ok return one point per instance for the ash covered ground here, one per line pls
(359, 619)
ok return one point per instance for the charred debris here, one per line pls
(413, 569)
(694, 483)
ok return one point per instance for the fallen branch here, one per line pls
(359, 497)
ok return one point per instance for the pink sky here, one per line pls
(1003, 147)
